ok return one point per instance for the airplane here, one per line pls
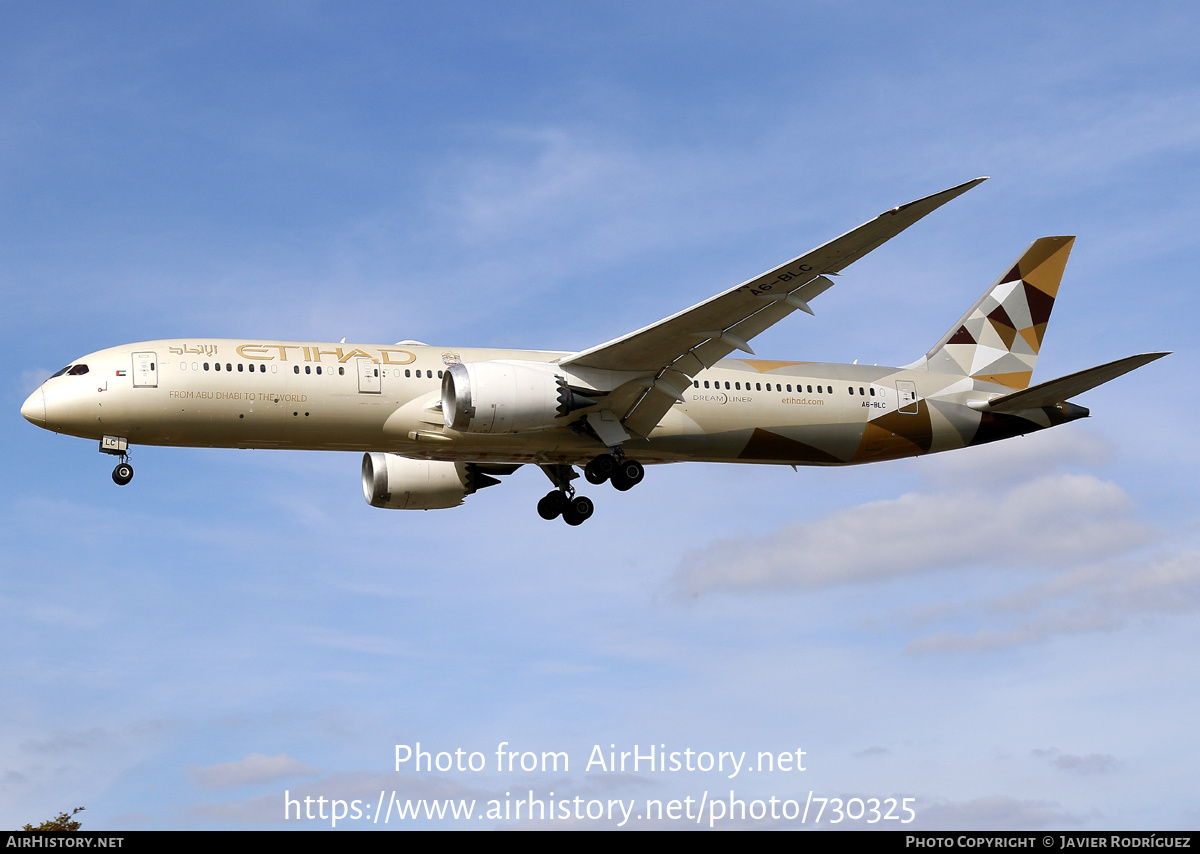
(438, 424)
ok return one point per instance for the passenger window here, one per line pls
(241, 367)
(308, 369)
(216, 366)
(706, 383)
(408, 373)
(872, 391)
(341, 372)
(737, 386)
(318, 370)
(206, 366)
(789, 388)
(439, 375)
(295, 369)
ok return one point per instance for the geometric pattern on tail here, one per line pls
(999, 337)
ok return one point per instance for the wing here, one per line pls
(666, 355)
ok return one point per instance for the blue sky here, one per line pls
(1015, 651)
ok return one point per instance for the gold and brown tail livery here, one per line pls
(998, 339)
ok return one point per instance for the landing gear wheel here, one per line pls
(552, 505)
(629, 474)
(122, 474)
(578, 511)
(600, 469)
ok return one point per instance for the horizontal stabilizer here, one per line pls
(1056, 391)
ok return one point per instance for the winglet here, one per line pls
(942, 197)
(882, 229)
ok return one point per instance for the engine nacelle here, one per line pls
(506, 397)
(398, 483)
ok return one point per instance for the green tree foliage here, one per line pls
(62, 821)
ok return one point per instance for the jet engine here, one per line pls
(506, 397)
(398, 483)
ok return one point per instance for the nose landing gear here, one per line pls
(122, 474)
(119, 447)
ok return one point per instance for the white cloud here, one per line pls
(255, 768)
(1090, 598)
(1025, 458)
(1092, 763)
(1050, 522)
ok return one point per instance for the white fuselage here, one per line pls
(359, 397)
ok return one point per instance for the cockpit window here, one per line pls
(60, 373)
(77, 370)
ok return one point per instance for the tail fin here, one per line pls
(999, 337)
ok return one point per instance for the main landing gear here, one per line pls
(624, 473)
(575, 509)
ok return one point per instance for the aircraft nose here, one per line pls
(34, 408)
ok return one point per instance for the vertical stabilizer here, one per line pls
(999, 337)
